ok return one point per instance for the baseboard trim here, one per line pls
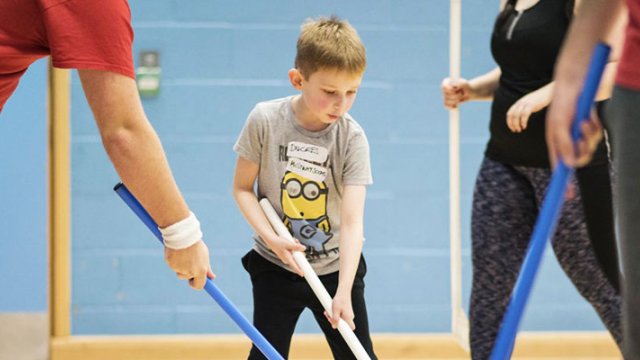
(561, 345)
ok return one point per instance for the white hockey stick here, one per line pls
(314, 282)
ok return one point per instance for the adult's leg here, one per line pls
(595, 187)
(339, 347)
(577, 258)
(503, 214)
(277, 303)
(624, 128)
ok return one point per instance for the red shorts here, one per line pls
(79, 34)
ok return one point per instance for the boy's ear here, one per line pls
(295, 77)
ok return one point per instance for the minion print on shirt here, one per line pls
(304, 197)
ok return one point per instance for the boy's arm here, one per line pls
(351, 239)
(243, 182)
(138, 157)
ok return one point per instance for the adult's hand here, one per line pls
(191, 264)
(558, 130)
(455, 92)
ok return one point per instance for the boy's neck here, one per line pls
(303, 118)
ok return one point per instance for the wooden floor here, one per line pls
(547, 346)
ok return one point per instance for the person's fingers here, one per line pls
(571, 192)
(291, 262)
(463, 94)
(563, 146)
(447, 89)
(525, 114)
(347, 316)
(198, 281)
(594, 119)
(592, 132)
(351, 324)
(183, 276)
(509, 116)
(330, 320)
(210, 274)
(583, 150)
(451, 98)
(450, 85)
(512, 119)
(454, 92)
(334, 323)
(450, 91)
(335, 317)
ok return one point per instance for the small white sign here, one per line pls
(307, 169)
(308, 152)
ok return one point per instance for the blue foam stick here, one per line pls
(548, 217)
(261, 343)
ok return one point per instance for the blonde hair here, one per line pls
(329, 43)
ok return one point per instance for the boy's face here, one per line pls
(326, 95)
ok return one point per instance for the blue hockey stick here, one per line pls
(548, 217)
(260, 342)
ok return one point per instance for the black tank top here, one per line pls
(525, 45)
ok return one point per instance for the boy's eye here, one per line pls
(330, 92)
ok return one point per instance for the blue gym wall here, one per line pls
(24, 320)
(23, 191)
(218, 59)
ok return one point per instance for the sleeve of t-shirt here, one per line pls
(357, 165)
(250, 140)
(93, 35)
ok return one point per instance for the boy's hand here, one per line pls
(191, 264)
(455, 92)
(284, 249)
(342, 309)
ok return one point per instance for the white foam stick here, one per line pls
(314, 282)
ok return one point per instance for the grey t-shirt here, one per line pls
(302, 173)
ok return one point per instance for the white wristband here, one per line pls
(182, 234)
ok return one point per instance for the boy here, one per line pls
(311, 161)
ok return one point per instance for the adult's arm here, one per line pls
(137, 155)
(594, 21)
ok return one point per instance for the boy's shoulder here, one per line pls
(352, 125)
(273, 105)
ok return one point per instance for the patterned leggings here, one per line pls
(505, 206)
